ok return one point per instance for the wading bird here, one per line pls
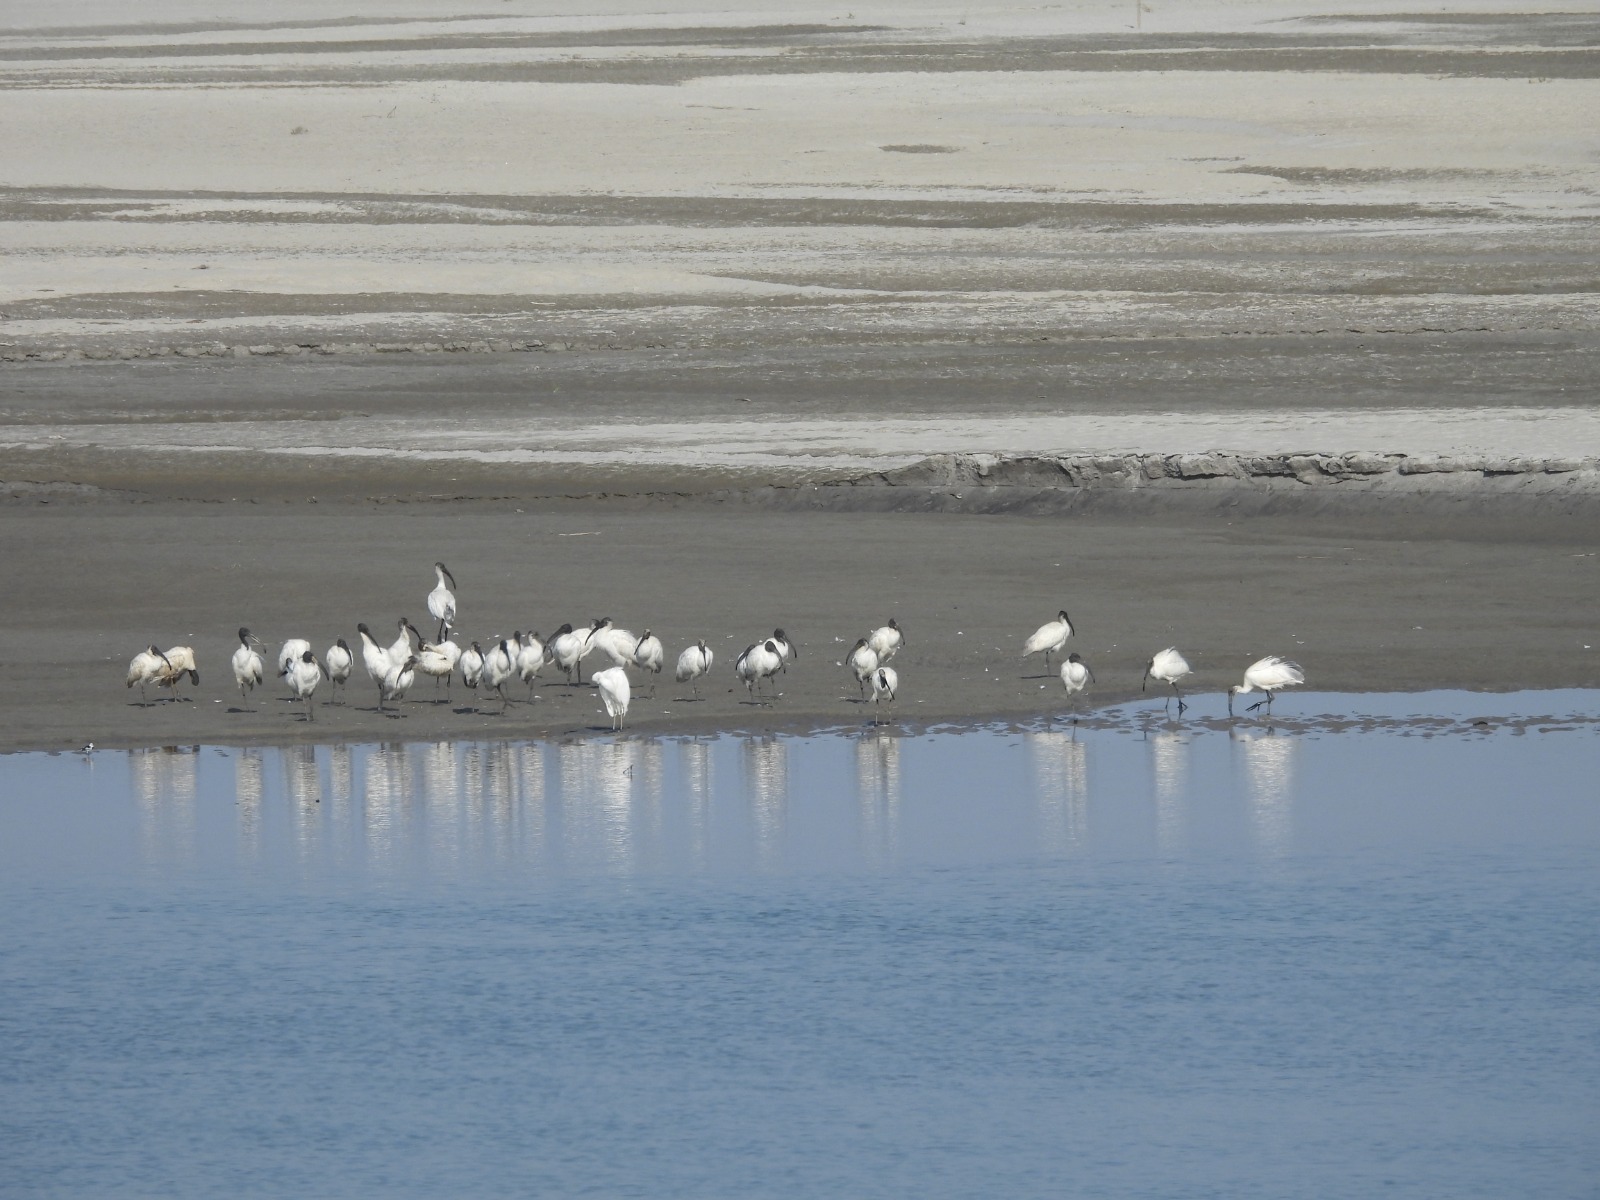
(302, 675)
(439, 663)
(862, 660)
(693, 663)
(649, 655)
(375, 658)
(499, 669)
(530, 659)
(616, 644)
(398, 682)
(786, 648)
(885, 683)
(886, 641)
(248, 669)
(1051, 637)
(566, 649)
(1075, 676)
(1167, 667)
(759, 661)
(180, 662)
(145, 668)
(291, 652)
(1270, 675)
(338, 663)
(400, 648)
(614, 692)
(442, 601)
(471, 665)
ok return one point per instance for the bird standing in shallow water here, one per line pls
(1270, 675)
(885, 683)
(1075, 676)
(1051, 637)
(442, 601)
(248, 669)
(1167, 667)
(693, 663)
(614, 693)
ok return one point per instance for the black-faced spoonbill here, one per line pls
(1270, 675)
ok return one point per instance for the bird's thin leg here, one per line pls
(1179, 695)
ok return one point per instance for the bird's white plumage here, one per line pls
(885, 686)
(693, 663)
(145, 668)
(887, 640)
(567, 650)
(1270, 675)
(499, 668)
(862, 660)
(248, 669)
(400, 677)
(302, 675)
(1075, 675)
(292, 652)
(1051, 637)
(759, 661)
(471, 665)
(615, 693)
(615, 643)
(442, 601)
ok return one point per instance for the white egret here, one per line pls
(886, 641)
(649, 655)
(375, 658)
(862, 660)
(248, 669)
(398, 682)
(1167, 667)
(693, 663)
(302, 676)
(1270, 675)
(1051, 637)
(614, 692)
(759, 661)
(338, 663)
(442, 601)
(146, 667)
(885, 682)
(530, 659)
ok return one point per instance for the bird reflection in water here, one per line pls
(165, 788)
(878, 796)
(1268, 761)
(596, 790)
(386, 799)
(1169, 769)
(249, 790)
(766, 774)
(695, 767)
(1061, 788)
(302, 784)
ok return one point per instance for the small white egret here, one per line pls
(1051, 637)
(530, 659)
(398, 682)
(302, 676)
(1270, 675)
(649, 655)
(886, 641)
(885, 683)
(863, 660)
(338, 663)
(442, 601)
(1167, 667)
(248, 669)
(693, 663)
(759, 661)
(146, 667)
(614, 692)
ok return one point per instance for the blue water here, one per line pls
(1158, 961)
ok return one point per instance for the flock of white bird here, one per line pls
(395, 667)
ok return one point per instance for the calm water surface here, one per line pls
(1162, 960)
